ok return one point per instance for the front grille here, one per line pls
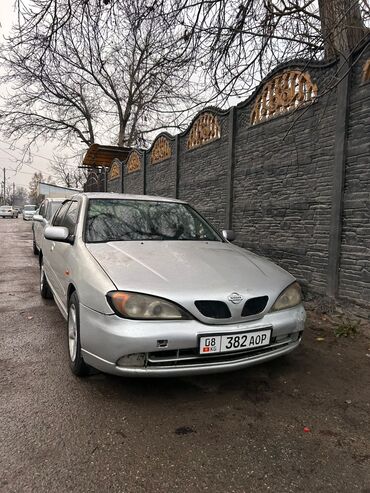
(213, 309)
(191, 357)
(253, 306)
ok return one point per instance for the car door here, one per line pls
(38, 228)
(48, 247)
(62, 251)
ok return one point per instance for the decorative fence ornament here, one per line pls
(284, 93)
(206, 128)
(92, 182)
(133, 163)
(115, 170)
(366, 71)
(160, 151)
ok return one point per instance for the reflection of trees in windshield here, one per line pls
(110, 220)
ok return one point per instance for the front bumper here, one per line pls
(107, 338)
(28, 217)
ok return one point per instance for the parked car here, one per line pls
(42, 218)
(8, 211)
(148, 287)
(29, 211)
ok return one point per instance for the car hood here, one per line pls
(185, 271)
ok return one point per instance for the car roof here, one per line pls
(126, 196)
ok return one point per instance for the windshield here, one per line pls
(116, 220)
(29, 207)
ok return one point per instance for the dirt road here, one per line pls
(237, 432)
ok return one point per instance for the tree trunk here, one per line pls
(342, 26)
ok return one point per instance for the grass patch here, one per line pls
(347, 327)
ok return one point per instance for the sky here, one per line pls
(42, 157)
(10, 157)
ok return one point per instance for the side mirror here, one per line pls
(228, 234)
(37, 218)
(56, 233)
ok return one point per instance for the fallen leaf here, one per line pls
(29, 318)
(320, 339)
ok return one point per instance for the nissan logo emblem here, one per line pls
(235, 298)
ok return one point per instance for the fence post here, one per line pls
(105, 179)
(144, 172)
(230, 169)
(339, 169)
(122, 177)
(177, 165)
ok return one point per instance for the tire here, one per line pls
(76, 362)
(45, 290)
(35, 249)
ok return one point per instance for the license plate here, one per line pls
(211, 344)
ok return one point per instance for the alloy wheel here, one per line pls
(72, 332)
(41, 277)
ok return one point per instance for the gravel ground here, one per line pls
(299, 423)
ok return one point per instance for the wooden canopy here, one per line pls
(101, 155)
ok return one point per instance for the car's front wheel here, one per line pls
(76, 362)
(45, 290)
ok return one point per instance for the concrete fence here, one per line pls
(288, 169)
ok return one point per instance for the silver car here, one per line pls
(8, 211)
(42, 218)
(29, 211)
(149, 288)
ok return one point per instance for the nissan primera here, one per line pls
(149, 288)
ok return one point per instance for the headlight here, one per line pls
(291, 296)
(144, 307)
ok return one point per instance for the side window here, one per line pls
(57, 221)
(52, 209)
(42, 209)
(48, 211)
(70, 219)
